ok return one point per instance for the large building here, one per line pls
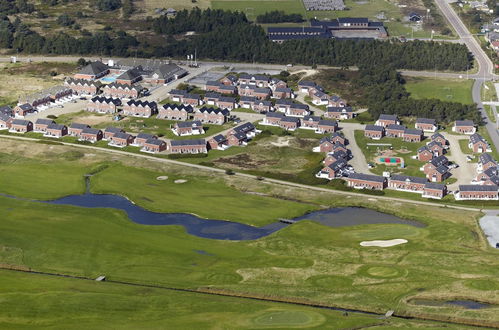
(340, 28)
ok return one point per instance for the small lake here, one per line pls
(228, 230)
(466, 304)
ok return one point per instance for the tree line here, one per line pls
(384, 92)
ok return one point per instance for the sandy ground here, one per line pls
(466, 171)
(162, 178)
(180, 181)
(281, 142)
(386, 243)
(490, 226)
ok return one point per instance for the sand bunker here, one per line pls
(180, 181)
(386, 243)
(162, 178)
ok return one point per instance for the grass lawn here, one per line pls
(166, 196)
(490, 113)
(446, 90)
(303, 262)
(44, 301)
(489, 92)
(254, 8)
(400, 149)
(135, 125)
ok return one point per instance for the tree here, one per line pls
(65, 20)
(108, 5)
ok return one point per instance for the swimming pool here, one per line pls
(108, 79)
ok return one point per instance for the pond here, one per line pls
(227, 230)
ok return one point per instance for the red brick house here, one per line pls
(424, 154)
(374, 132)
(485, 162)
(122, 91)
(327, 126)
(262, 106)
(385, 120)
(101, 104)
(426, 124)
(262, 93)
(464, 127)
(339, 113)
(141, 139)
(229, 80)
(289, 123)
(213, 86)
(283, 105)
(282, 93)
(22, 110)
(154, 146)
(332, 171)
(333, 157)
(407, 183)
(412, 135)
(211, 115)
(5, 121)
(75, 129)
(237, 139)
(336, 101)
(477, 192)
(366, 181)
(228, 103)
(305, 86)
(109, 132)
(309, 122)
(184, 128)
(231, 90)
(436, 148)
(90, 134)
(437, 137)
(394, 131)
(256, 80)
(21, 126)
(138, 108)
(83, 86)
(56, 130)
(196, 146)
(478, 144)
(272, 118)
(298, 110)
(121, 139)
(41, 125)
(218, 142)
(434, 190)
(175, 112)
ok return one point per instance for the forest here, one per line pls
(226, 35)
(384, 92)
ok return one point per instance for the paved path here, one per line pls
(466, 171)
(249, 176)
(358, 160)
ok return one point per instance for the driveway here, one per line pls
(68, 107)
(358, 160)
(466, 171)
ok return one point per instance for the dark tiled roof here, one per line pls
(219, 138)
(473, 187)
(122, 135)
(89, 130)
(426, 121)
(367, 177)
(412, 131)
(113, 129)
(396, 127)
(184, 124)
(94, 68)
(188, 142)
(145, 136)
(56, 126)
(464, 123)
(244, 128)
(290, 120)
(388, 117)
(156, 142)
(339, 109)
(328, 123)
(486, 158)
(406, 178)
(374, 128)
(42, 121)
(20, 122)
(78, 126)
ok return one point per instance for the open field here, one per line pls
(446, 90)
(303, 262)
(19, 80)
(254, 8)
(400, 149)
(79, 304)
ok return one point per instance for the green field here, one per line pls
(451, 90)
(253, 8)
(47, 302)
(305, 262)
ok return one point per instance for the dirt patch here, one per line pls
(94, 120)
(282, 142)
